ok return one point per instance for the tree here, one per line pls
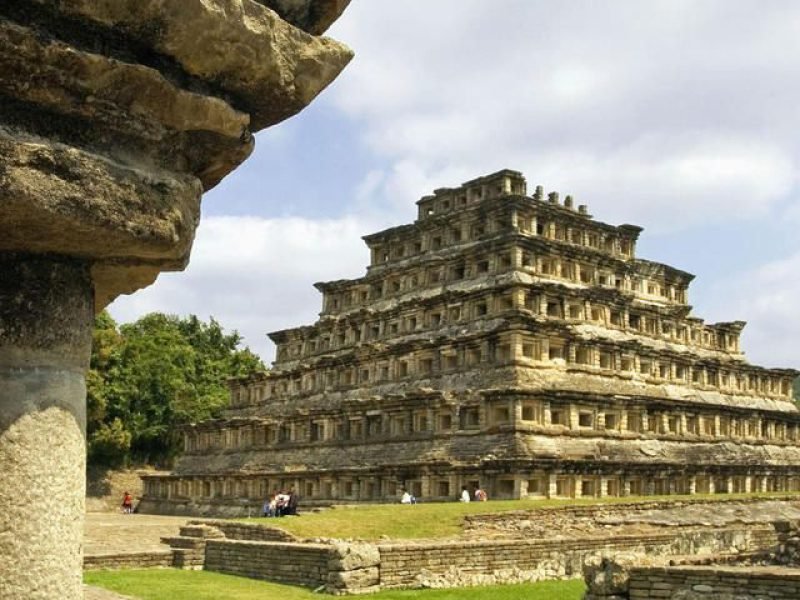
(105, 342)
(150, 377)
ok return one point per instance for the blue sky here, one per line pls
(678, 115)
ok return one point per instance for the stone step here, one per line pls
(127, 560)
(188, 559)
(184, 542)
(201, 531)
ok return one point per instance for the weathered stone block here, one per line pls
(607, 576)
(355, 580)
(347, 556)
(270, 68)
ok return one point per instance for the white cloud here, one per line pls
(671, 183)
(666, 113)
(256, 275)
(664, 183)
(768, 298)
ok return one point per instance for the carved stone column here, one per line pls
(116, 117)
(46, 316)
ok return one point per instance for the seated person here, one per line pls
(464, 494)
(281, 504)
(407, 498)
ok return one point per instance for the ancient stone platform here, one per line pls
(505, 341)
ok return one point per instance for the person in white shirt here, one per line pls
(464, 494)
(406, 498)
(281, 504)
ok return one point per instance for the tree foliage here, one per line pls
(148, 378)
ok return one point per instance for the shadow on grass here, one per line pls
(173, 584)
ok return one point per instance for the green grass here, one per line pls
(435, 520)
(172, 584)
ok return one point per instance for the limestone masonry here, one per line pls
(115, 117)
(502, 340)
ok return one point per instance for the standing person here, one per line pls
(464, 494)
(127, 503)
(281, 501)
(291, 503)
(269, 507)
(273, 505)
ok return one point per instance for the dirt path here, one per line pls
(95, 593)
(106, 533)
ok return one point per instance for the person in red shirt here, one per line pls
(127, 504)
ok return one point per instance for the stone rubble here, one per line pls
(765, 575)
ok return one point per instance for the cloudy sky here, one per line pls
(679, 116)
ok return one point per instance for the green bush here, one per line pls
(149, 378)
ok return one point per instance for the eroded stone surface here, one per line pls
(313, 16)
(36, 483)
(46, 316)
(131, 99)
(270, 68)
(128, 110)
(629, 518)
(116, 116)
(81, 204)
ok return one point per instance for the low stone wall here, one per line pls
(130, 560)
(761, 574)
(347, 567)
(449, 564)
(788, 551)
(297, 564)
(718, 582)
(223, 508)
(253, 532)
(338, 567)
(481, 522)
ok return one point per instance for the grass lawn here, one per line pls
(434, 520)
(172, 584)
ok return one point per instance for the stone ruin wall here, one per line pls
(116, 117)
(771, 573)
(680, 564)
(511, 547)
(358, 567)
(502, 340)
(717, 583)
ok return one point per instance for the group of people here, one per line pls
(407, 497)
(479, 495)
(280, 504)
